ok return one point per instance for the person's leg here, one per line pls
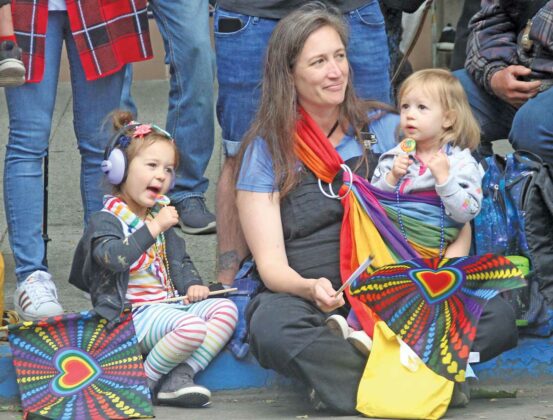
(239, 71)
(12, 70)
(127, 101)
(532, 127)
(368, 52)
(493, 115)
(30, 109)
(496, 331)
(6, 22)
(184, 26)
(173, 335)
(92, 103)
(289, 335)
(470, 7)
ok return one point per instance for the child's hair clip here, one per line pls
(123, 141)
(142, 130)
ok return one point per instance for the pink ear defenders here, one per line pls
(114, 165)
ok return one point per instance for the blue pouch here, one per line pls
(248, 283)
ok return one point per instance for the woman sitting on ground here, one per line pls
(291, 227)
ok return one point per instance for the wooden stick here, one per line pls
(175, 299)
(179, 298)
(364, 265)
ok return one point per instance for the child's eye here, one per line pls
(170, 170)
(152, 165)
(404, 106)
(421, 106)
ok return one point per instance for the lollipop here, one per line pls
(408, 145)
(162, 200)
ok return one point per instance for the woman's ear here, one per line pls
(450, 118)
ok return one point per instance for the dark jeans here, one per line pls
(529, 127)
(288, 334)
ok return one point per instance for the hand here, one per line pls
(166, 218)
(323, 293)
(399, 168)
(439, 167)
(506, 85)
(196, 293)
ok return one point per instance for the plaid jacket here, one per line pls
(495, 43)
(108, 34)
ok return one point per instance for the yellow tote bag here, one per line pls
(397, 384)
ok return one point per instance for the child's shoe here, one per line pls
(361, 341)
(178, 389)
(338, 325)
(12, 70)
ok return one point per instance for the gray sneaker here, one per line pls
(12, 70)
(178, 389)
(194, 216)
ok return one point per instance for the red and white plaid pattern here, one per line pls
(108, 34)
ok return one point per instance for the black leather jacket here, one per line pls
(104, 255)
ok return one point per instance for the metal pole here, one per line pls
(45, 237)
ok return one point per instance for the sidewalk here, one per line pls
(65, 228)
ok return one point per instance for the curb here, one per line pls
(531, 362)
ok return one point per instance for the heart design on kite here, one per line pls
(77, 371)
(437, 285)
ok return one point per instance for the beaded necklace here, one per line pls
(409, 145)
(160, 250)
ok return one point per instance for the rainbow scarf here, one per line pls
(370, 221)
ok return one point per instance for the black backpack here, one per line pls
(517, 219)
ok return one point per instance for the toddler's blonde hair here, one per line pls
(444, 86)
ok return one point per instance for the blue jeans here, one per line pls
(240, 65)
(528, 128)
(184, 27)
(30, 117)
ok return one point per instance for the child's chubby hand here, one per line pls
(438, 165)
(399, 168)
(196, 293)
(166, 218)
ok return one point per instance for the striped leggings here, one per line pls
(194, 334)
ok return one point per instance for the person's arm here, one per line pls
(260, 218)
(114, 251)
(492, 43)
(380, 176)
(460, 247)
(407, 6)
(461, 193)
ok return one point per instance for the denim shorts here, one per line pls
(240, 57)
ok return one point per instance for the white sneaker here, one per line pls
(338, 325)
(361, 341)
(36, 297)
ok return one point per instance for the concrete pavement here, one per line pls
(65, 228)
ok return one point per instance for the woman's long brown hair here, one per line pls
(276, 118)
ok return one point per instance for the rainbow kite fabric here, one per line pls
(371, 216)
(434, 304)
(74, 367)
